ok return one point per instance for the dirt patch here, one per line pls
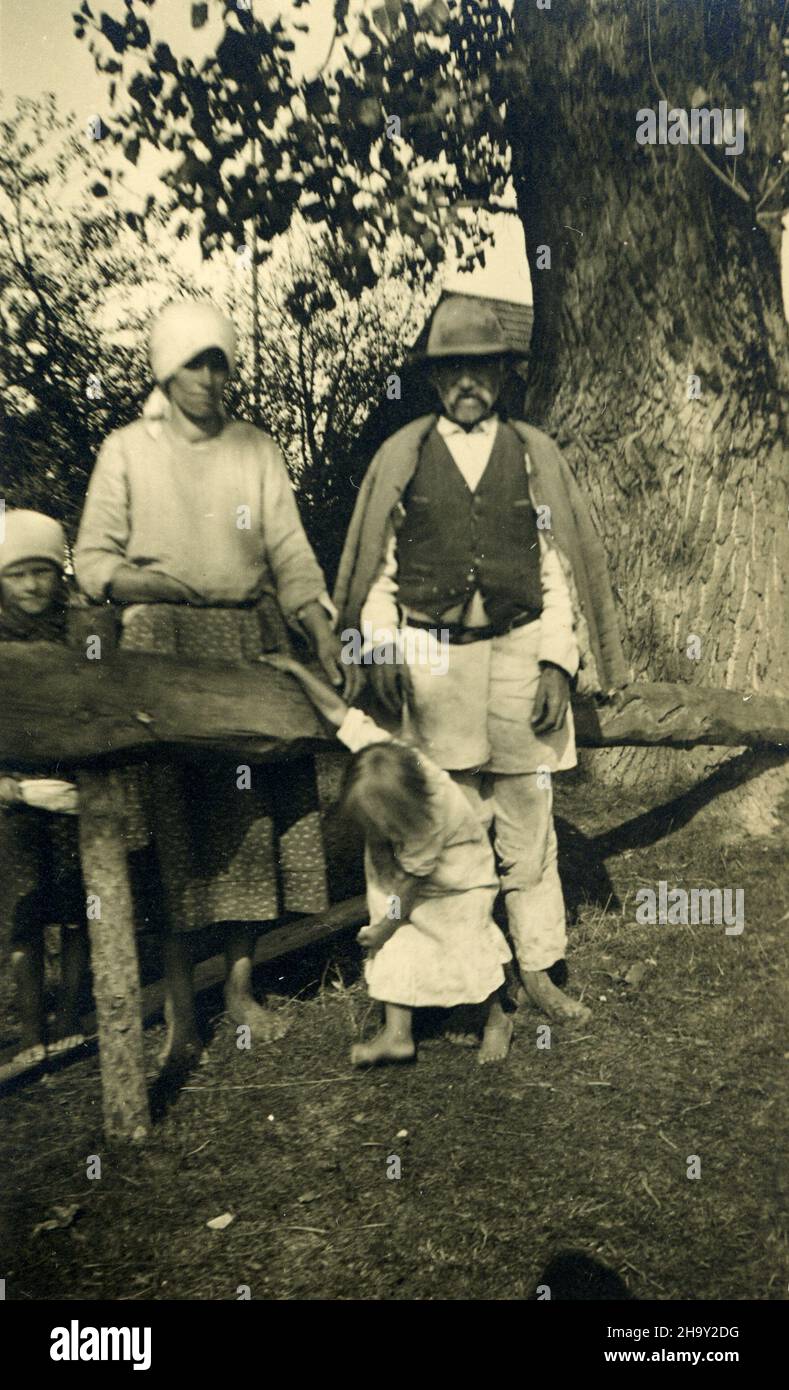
(585, 1145)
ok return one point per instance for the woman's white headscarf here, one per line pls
(182, 330)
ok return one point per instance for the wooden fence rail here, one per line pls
(60, 707)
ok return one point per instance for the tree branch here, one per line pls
(702, 153)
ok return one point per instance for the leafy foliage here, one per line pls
(75, 285)
(325, 356)
(404, 138)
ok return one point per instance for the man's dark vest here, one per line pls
(453, 541)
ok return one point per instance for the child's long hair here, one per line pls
(385, 793)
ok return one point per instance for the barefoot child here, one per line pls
(431, 883)
(39, 849)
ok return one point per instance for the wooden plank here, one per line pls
(682, 716)
(56, 706)
(113, 953)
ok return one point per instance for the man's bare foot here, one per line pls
(540, 990)
(384, 1047)
(495, 1040)
(266, 1025)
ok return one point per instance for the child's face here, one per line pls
(29, 587)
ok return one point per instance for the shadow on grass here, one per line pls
(573, 1276)
(645, 829)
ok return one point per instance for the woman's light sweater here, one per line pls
(218, 515)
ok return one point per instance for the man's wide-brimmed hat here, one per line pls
(465, 328)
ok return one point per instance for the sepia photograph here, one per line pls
(394, 636)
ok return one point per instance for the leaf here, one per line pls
(60, 1221)
(220, 1223)
(308, 1197)
(66, 1214)
(164, 59)
(317, 99)
(237, 57)
(114, 32)
(636, 974)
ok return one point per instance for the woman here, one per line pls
(190, 524)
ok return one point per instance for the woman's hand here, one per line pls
(324, 641)
(131, 584)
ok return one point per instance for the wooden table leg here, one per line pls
(113, 950)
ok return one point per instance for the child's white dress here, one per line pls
(450, 950)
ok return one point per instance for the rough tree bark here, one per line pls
(659, 273)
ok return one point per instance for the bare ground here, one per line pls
(583, 1146)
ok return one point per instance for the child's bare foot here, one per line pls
(495, 1040)
(540, 990)
(266, 1025)
(462, 1028)
(384, 1047)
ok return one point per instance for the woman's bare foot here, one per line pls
(384, 1047)
(266, 1025)
(495, 1040)
(540, 990)
(180, 1055)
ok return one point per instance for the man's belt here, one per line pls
(459, 635)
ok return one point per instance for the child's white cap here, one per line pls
(28, 535)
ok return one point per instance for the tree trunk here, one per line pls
(660, 274)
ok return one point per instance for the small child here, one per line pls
(39, 844)
(431, 884)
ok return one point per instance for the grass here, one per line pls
(584, 1146)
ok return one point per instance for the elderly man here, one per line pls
(470, 531)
